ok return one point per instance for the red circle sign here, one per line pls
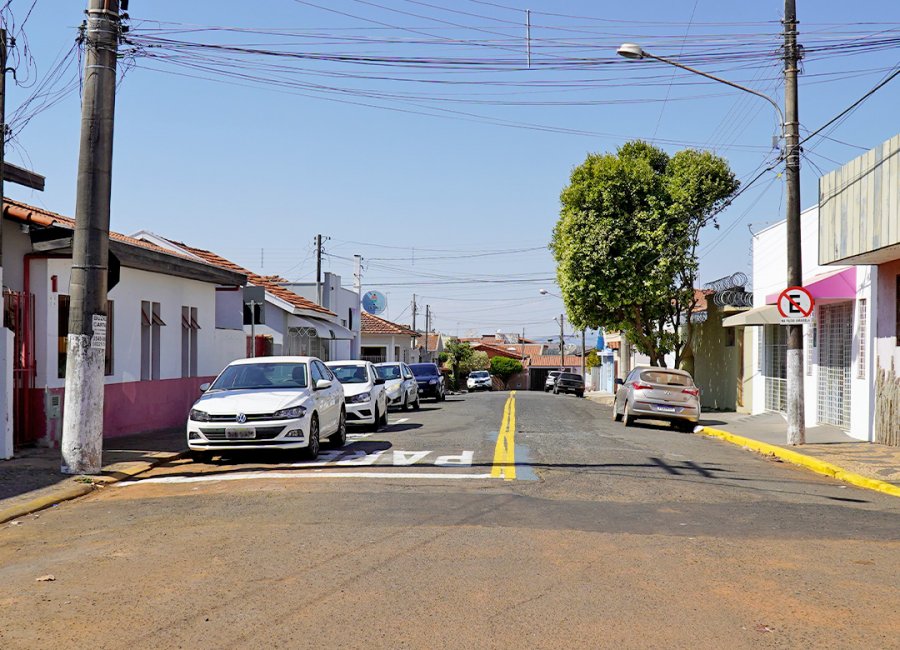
(795, 302)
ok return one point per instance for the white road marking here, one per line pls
(292, 475)
(400, 421)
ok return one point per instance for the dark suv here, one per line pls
(430, 380)
(569, 382)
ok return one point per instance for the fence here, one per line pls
(887, 407)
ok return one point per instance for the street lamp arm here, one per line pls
(720, 80)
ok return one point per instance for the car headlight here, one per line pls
(432, 381)
(362, 397)
(199, 416)
(293, 413)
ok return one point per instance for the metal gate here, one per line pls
(774, 366)
(835, 340)
(19, 317)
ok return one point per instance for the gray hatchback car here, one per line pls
(658, 394)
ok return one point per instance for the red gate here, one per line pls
(19, 317)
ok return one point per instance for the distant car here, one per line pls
(430, 380)
(569, 382)
(268, 403)
(364, 393)
(479, 380)
(400, 384)
(658, 394)
(551, 380)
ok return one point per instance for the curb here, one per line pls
(814, 464)
(69, 492)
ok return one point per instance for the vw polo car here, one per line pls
(266, 403)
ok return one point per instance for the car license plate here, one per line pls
(665, 409)
(240, 434)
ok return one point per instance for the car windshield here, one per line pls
(388, 372)
(569, 375)
(665, 378)
(553, 373)
(479, 374)
(424, 369)
(350, 374)
(252, 376)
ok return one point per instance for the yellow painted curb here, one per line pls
(814, 464)
(70, 492)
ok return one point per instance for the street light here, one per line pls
(562, 342)
(790, 133)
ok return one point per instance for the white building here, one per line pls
(383, 340)
(165, 335)
(837, 367)
(344, 303)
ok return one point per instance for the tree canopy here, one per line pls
(626, 241)
(504, 368)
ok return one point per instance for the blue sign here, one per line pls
(601, 344)
(374, 302)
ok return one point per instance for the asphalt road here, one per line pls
(419, 537)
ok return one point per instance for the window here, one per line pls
(189, 329)
(861, 350)
(63, 334)
(350, 318)
(151, 322)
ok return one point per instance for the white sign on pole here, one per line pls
(98, 325)
(795, 305)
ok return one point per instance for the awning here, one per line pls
(326, 329)
(834, 285)
(767, 315)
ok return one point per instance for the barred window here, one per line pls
(861, 351)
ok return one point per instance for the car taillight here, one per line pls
(692, 391)
(639, 386)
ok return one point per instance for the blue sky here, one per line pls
(417, 168)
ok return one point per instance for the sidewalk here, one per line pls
(32, 481)
(825, 443)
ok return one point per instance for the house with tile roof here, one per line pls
(383, 340)
(164, 335)
(286, 323)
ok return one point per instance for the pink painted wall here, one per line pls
(129, 408)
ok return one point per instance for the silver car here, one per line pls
(658, 394)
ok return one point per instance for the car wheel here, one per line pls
(201, 456)
(416, 404)
(627, 417)
(377, 422)
(555, 390)
(687, 427)
(339, 437)
(580, 393)
(443, 395)
(384, 420)
(617, 417)
(405, 406)
(312, 449)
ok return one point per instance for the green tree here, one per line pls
(463, 359)
(626, 242)
(478, 361)
(592, 360)
(504, 368)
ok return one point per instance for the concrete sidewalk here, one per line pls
(32, 481)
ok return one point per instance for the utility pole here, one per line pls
(2, 144)
(796, 433)
(562, 343)
(82, 435)
(583, 376)
(319, 270)
(357, 281)
(414, 310)
(427, 325)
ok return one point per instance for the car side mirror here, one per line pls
(379, 381)
(204, 387)
(620, 381)
(322, 384)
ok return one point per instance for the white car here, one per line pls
(400, 384)
(266, 403)
(364, 394)
(479, 380)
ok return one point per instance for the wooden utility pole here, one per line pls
(562, 343)
(319, 270)
(82, 436)
(796, 433)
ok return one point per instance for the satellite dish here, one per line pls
(374, 302)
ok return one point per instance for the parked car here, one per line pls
(430, 380)
(569, 382)
(479, 380)
(400, 384)
(273, 402)
(550, 382)
(658, 394)
(364, 394)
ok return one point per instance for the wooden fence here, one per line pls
(887, 407)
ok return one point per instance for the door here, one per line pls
(19, 317)
(329, 408)
(835, 340)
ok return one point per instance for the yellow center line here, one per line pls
(505, 451)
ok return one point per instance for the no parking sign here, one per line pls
(796, 304)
